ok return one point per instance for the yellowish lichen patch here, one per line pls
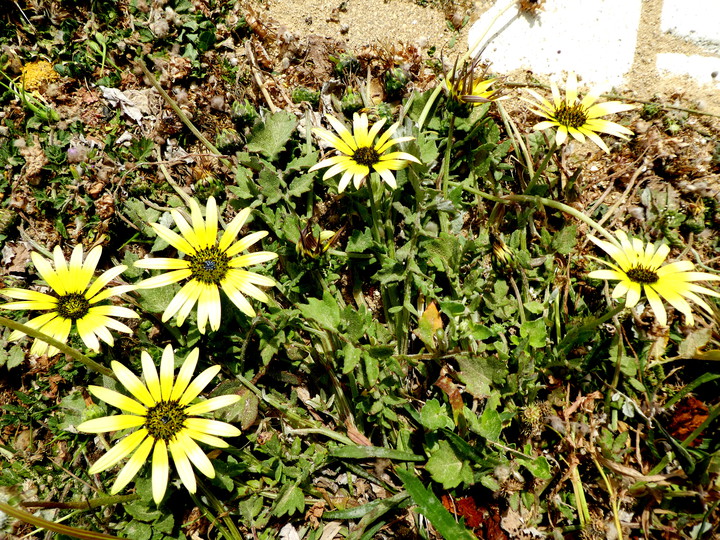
(37, 75)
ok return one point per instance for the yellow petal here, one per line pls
(233, 229)
(111, 423)
(167, 369)
(212, 427)
(211, 404)
(160, 470)
(198, 384)
(198, 457)
(150, 374)
(118, 452)
(137, 460)
(245, 243)
(182, 463)
(116, 399)
(656, 305)
(185, 374)
(130, 381)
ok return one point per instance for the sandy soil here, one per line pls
(381, 22)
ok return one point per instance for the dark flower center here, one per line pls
(209, 265)
(640, 274)
(73, 306)
(571, 117)
(165, 420)
(366, 155)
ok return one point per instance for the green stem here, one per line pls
(448, 154)
(323, 431)
(613, 499)
(541, 168)
(297, 419)
(593, 324)
(53, 526)
(580, 501)
(508, 199)
(32, 332)
(82, 505)
(402, 329)
(174, 106)
(230, 530)
(428, 105)
(377, 231)
(516, 137)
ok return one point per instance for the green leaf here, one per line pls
(303, 163)
(359, 241)
(15, 357)
(443, 252)
(270, 137)
(301, 184)
(243, 412)
(372, 368)
(434, 416)
(467, 452)
(534, 307)
(695, 340)
(75, 407)
(205, 40)
(446, 468)
(269, 183)
(156, 300)
(479, 372)
(164, 525)
(356, 322)
(431, 507)
(427, 146)
(490, 424)
(371, 452)
(138, 530)
(132, 271)
(357, 512)
(245, 188)
(538, 467)
(535, 331)
(351, 356)
(452, 308)
(325, 312)
(140, 511)
(565, 240)
(141, 215)
(290, 500)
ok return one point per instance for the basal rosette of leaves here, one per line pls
(399, 358)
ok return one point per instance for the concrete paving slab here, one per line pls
(694, 20)
(703, 69)
(594, 38)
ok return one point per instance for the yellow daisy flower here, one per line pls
(640, 268)
(464, 87)
(579, 118)
(359, 152)
(209, 265)
(166, 422)
(76, 300)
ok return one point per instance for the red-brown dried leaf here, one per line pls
(688, 415)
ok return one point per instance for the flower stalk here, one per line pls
(62, 347)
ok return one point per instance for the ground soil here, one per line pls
(385, 22)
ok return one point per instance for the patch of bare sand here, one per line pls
(368, 22)
(384, 22)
